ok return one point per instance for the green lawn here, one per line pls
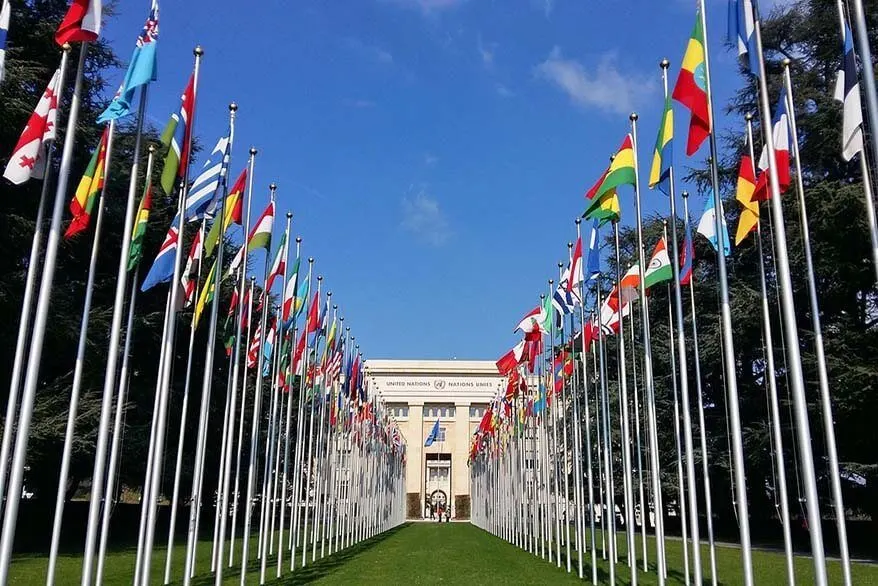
(429, 553)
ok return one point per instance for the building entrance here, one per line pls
(437, 484)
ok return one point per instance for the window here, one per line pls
(437, 474)
(477, 411)
(437, 411)
(440, 437)
(398, 410)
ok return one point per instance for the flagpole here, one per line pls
(552, 412)
(822, 373)
(565, 451)
(28, 395)
(33, 269)
(639, 446)
(794, 364)
(73, 407)
(859, 18)
(310, 434)
(184, 410)
(776, 430)
(608, 446)
(726, 316)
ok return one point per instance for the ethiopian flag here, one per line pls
(230, 212)
(749, 218)
(620, 172)
(663, 157)
(205, 296)
(89, 189)
(691, 89)
(140, 223)
(604, 209)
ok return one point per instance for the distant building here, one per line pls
(417, 393)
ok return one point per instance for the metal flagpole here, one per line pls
(310, 437)
(639, 447)
(726, 317)
(771, 376)
(16, 479)
(73, 407)
(859, 18)
(626, 426)
(33, 269)
(553, 413)
(606, 423)
(181, 435)
(207, 386)
(822, 373)
(794, 364)
(681, 492)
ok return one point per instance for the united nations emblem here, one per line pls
(439, 384)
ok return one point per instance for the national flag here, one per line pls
(707, 226)
(81, 23)
(230, 212)
(433, 435)
(847, 91)
(253, 349)
(663, 157)
(313, 323)
(297, 356)
(5, 14)
(279, 264)
(749, 218)
(206, 294)
(564, 301)
(575, 267)
(687, 256)
(268, 348)
(228, 326)
(782, 140)
(691, 89)
(510, 361)
(141, 68)
(742, 29)
(288, 306)
(202, 194)
(550, 317)
(605, 209)
(89, 189)
(630, 288)
(610, 316)
(176, 138)
(594, 188)
(188, 280)
(620, 171)
(659, 269)
(533, 321)
(594, 252)
(141, 221)
(28, 158)
(162, 269)
(260, 237)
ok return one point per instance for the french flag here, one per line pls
(782, 140)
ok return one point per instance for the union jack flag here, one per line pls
(150, 32)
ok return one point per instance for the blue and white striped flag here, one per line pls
(742, 29)
(201, 199)
(5, 13)
(847, 91)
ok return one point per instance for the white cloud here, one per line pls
(430, 159)
(371, 52)
(605, 87)
(503, 91)
(422, 216)
(486, 51)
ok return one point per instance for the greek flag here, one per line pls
(201, 199)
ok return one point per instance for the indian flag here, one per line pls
(659, 269)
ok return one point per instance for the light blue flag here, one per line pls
(141, 69)
(707, 226)
(434, 435)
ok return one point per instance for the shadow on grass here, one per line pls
(316, 570)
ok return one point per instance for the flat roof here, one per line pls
(463, 367)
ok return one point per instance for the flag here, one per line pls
(268, 348)
(313, 323)
(260, 237)
(28, 159)
(176, 138)
(630, 286)
(279, 264)
(564, 300)
(707, 226)
(135, 250)
(141, 68)
(620, 171)
(663, 157)
(202, 194)
(749, 218)
(288, 308)
(782, 140)
(205, 296)
(687, 256)
(228, 326)
(510, 361)
(691, 89)
(190, 274)
(162, 269)
(532, 321)
(89, 189)
(742, 30)
(659, 269)
(575, 267)
(253, 350)
(230, 212)
(433, 435)
(5, 14)
(604, 209)
(81, 23)
(594, 252)
(847, 91)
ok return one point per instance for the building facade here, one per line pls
(418, 393)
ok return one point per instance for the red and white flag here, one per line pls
(575, 268)
(190, 274)
(532, 321)
(782, 135)
(81, 23)
(28, 158)
(510, 361)
(253, 351)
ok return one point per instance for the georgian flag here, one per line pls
(847, 91)
(782, 140)
(28, 158)
(81, 23)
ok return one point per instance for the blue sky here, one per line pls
(434, 152)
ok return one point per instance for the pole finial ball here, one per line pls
(199, 51)
(252, 279)
(560, 265)
(685, 194)
(310, 259)
(289, 215)
(786, 62)
(66, 47)
(152, 148)
(319, 277)
(633, 116)
(569, 245)
(272, 186)
(748, 116)
(542, 295)
(578, 221)
(253, 151)
(233, 107)
(665, 64)
(334, 306)
(328, 293)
